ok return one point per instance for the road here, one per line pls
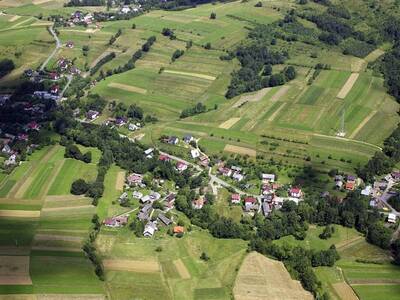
(69, 77)
(58, 45)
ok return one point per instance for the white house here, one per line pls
(237, 176)
(137, 195)
(149, 229)
(392, 218)
(195, 153)
(367, 191)
(268, 177)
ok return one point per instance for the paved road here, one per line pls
(58, 45)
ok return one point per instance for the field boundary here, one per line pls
(198, 75)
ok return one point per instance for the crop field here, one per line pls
(183, 275)
(273, 280)
(43, 227)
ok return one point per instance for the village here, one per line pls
(155, 208)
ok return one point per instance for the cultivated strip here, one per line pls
(131, 265)
(202, 76)
(229, 123)
(128, 88)
(240, 150)
(348, 86)
(181, 268)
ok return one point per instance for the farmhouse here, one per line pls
(145, 212)
(134, 179)
(204, 161)
(195, 153)
(70, 44)
(6, 149)
(149, 229)
(149, 153)
(179, 230)
(350, 186)
(123, 197)
(188, 138)
(198, 203)
(121, 121)
(32, 126)
(125, 9)
(235, 199)
(225, 171)
(12, 160)
(173, 140)
(268, 178)
(266, 209)
(237, 176)
(137, 195)
(367, 190)
(295, 192)
(250, 203)
(396, 176)
(181, 166)
(164, 219)
(133, 127)
(163, 157)
(92, 115)
(116, 221)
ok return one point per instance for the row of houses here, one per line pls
(233, 172)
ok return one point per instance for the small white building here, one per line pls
(367, 191)
(392, 218)
(268, 177)
(195, 153)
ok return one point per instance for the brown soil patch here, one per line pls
(240, 150)
(139, 266)
(344, 291)
(262, 278)
(181, 268)
(14, 18)
(229, 123)
(119, 183)
(202, 76)
(20, 213)
(252, 98)
(347, 86)
(128, 88)
(282, 92)
(14, 270)
(66, 208)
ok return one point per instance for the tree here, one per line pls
(79, 187)
(6, 66)
(207, 46)
(327, 233)
(379, 235)
(258, 4)
(87, 157)
(133, 26)
(290, 73)
(204, 256)
(213, 16)
(396, 251)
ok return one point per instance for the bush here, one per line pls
(79, 187)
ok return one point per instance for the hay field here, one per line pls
(131, 265)
(229, 123)
(240, 150)
(128, 88)
(260, 277)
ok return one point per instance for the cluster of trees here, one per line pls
(132, 111)
(178, 53)
(85, 3)
(299, 261)
(256, 59)
(114, 37)
(135, 57)
(90, 249)
(101, 62)
(72, 151)
(6, 66)
(327, 233)
(168, 32)
(383, 162)
(195, 110)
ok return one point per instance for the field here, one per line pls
(260, 277)
(43, 227)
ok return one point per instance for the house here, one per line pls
(350, 186)
(179, 229)
(145, 212)
(396, 176)
(181, 166)
(204, 161)
(12, 160)
(188, 138)
(225, 171)
(195, 153)
(173, 140)
(367, 191)
(149, 151)
(164, 157)
(134, 179)
(164, 219)
(55, 89)
(137, 195)
(133, 127)
(125, 9)
(170, 198)
(92, 115)
(338, 178)
(392, 218)
(154, 196)
(145, 199)
(70, 44)
(116, 221)
(236, 169)
(198, 203)
(351, 178)
(121, 121)
(250, 203)
(6, 149)
(237, 176)
(339, 184)
(54, 76)
(266, 209)
(268, 178)
(88, 18)
(295, 192)
(22, 137)
(123, 197)
(149, 229)
(235, 199)
(33, 126)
